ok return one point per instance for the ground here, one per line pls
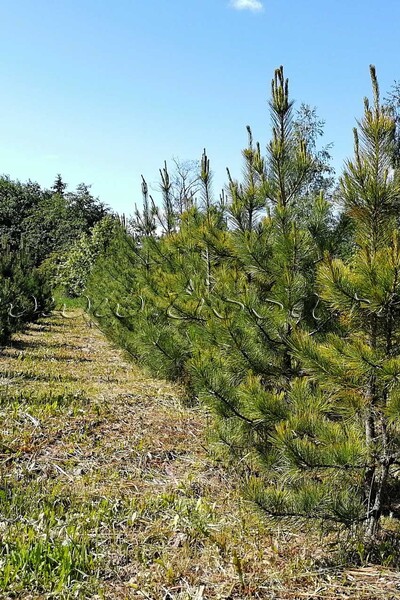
(108, 489)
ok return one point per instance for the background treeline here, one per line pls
(278, 306)
(37, 226)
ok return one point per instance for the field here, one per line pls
(109, 489)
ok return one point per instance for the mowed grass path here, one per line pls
(107, 489)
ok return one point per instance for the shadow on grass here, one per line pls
(34, 376)
(49, 358)
(30, 344)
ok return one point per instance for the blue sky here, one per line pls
(103, 91)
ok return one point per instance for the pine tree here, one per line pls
(168, 219)
(59, 186)
(179, 274)
(248, 199)
(24, 292)
(263, 287)
(337, 451)
(143, 223)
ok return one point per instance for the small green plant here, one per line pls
(37, 562)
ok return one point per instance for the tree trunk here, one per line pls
(375, 503)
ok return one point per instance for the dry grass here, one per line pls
(107, 489)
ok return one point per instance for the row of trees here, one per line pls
(46, 221)
(280, 310)
(24, 292)
(37, 225)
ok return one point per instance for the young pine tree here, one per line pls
(337, 451)
(263, 288)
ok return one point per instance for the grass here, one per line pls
(107, 489)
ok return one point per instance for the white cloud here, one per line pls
(253, 5)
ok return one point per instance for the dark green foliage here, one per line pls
(17, 202)
(45, 221)
(59, 186)
(84, 208)
(24, 294)
(34, 225)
